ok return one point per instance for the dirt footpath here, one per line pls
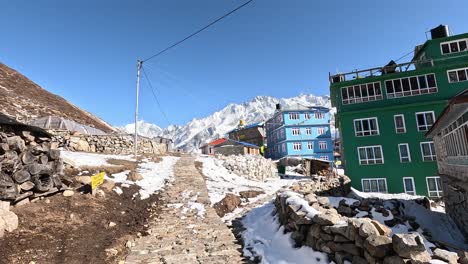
(76, 229)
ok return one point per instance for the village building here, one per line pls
(252, 133)
(450, 135)
(300, 132)
(228, 147)
(383, 114)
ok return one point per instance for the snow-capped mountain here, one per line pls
(198, 132)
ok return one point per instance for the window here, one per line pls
(405, 156)
(427, 151)
(297, 146)
(361, 93)
(453, 46)
(370, 155)
(408, 184)
(455, 137)
(366, 127)
(307, 115)
(434, 186)
(294, 116)
(310, 145)
(321, 130)
(283, 147)
(319, 115)
(296, 131)
(457, 75)
(425, 120)
(323, 157)
(409, 86)
(322, 145)
(308, 131)
(400, 126)
(282, 133)
(374, 185)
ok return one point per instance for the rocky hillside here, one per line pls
(24, 100)
(197, 132)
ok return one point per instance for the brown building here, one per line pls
(254, 134)
(450, 135)
(226, 147)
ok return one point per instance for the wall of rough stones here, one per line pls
(30, 165)
(108, 144)
(357, 240)
(254, 167)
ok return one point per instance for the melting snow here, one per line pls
(81, 159)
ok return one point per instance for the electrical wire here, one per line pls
(154, 96)
(198, 31)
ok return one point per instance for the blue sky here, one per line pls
(86, 51)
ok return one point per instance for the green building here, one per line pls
(383, 114)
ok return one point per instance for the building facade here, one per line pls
(300, 133)
(450, 135)
(252, 133)
(383, 114)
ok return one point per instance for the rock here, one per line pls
(340, 239)
(323, 201)
(445, 255)
(108, 185)
(54, 154)
(22, 202)
(16, 143)
(370, 259)
(27, 186)
(383, 230)
(345, 210)
(10, 219)
(311, 198)
(68, 193)
(112, 251)
(420, 257)
(21, 176)
(250, 194)
(407, 245)
(34, 168)
(4, 206)
(27, 157)
(367, 229)
(112, 224)
(359, 260)
(83, 179)
(341, 257)
(82, 145)
(378, 246)
(227, 204)
(393, 260)
(346, 247)
(134, 176)
(327, 219)
(27, 135)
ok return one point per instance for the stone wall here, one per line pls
(109, 144)
(250, 166)
(314, 223)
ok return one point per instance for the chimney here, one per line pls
(278, 107)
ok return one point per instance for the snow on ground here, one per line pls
(264, 237)
(220, 181)
(335, 201)
(295, 199)
(192, 204)
(383, 196)
(81, 159)
(155, 175)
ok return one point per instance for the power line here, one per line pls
(154, 96)
(198, 31)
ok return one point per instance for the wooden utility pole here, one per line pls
(135, 143)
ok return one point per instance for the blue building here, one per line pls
(300, 133)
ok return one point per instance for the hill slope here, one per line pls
(24, 100)
(197, 132)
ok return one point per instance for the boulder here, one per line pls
(83, 179)
(227, 204)
(323, 201)
(21, 176)
(408, 245)
(383, 229)
(311, 198)
(27, 186)
(134, 176)
(378, 246)
(367, 229)
(4, 206)
(2, 227)
(326, 219)
(16, 143)
(82, 145)
(10, 219)
(345, 210)
(445, 255)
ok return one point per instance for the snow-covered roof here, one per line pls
(60, 123)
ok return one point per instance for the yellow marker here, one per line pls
(97, 180)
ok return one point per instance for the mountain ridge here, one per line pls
(199, 131)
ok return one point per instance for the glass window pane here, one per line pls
(382, 186)
(397, 85)
(403, 151)
(453, 77)
(362, 153)
(414, 83)
(429, 119)
(399, 121)
(409, 185)
(439, 184)
(344, 93)
(422, 82)
(454, 47)
(389, 86)
(421, 120)
(461, 75)
(370, 153)
(366, 185)
(365, 125)
(431, 80)
(358, 126)
(357, 91)
(406, 84)
(378, 154)
(445, 49)
(374, 186)
(431, 184)
(378, 91)
(364, 90)
(462, 45)
(426, 149)
(351, 92)
(373, 124)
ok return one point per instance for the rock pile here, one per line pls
(30, 165)
(254, 167)
(358, 240)
(326, 186)
(108, 144)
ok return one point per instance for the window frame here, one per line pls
(298, 129)
(308, 131)
(374, 86)
(395, 122)
(306, 115)
(456, 73)
(439, 190)
(320, 131)
(293, 115)
(319, 115)
(297, 144)
(407, 149)
(412, 91)
(370, 185)
(323, 143)
(362, 126)
(367, 158)
(310, 145)
(450, 47)
(413, 185)
(324, 158)
(432, 156)
(425, 120)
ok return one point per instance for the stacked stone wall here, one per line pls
(254, 167)
(108, 144)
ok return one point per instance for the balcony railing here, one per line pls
(379, 71)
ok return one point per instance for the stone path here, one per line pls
(188, 230)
